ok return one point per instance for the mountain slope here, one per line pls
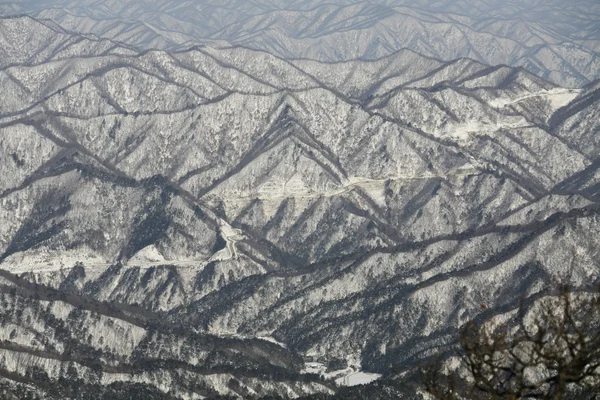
(206, 221)
(553, 39)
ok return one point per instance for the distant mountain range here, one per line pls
(205, 221)
(554, 39)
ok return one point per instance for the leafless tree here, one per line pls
(552, 352)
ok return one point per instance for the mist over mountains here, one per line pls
(249, 199)
(554, 39)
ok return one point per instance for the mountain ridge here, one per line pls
(178, 211)
(548, 46)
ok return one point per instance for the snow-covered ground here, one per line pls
(350, 376)
(272, 340)
(357, 378)
(231, 236)
(44, 261)
(557, 97)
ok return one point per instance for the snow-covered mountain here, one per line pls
(558, 40)
(207, 221)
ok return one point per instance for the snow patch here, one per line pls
(314, 368)
(350, 376)
(557, 97)
(357, 378)
(44, 260)
(272, 340)
(231, 236)
(148, 254)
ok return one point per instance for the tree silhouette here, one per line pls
(552, 352)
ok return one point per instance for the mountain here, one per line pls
(222, 221)
(554, 39)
